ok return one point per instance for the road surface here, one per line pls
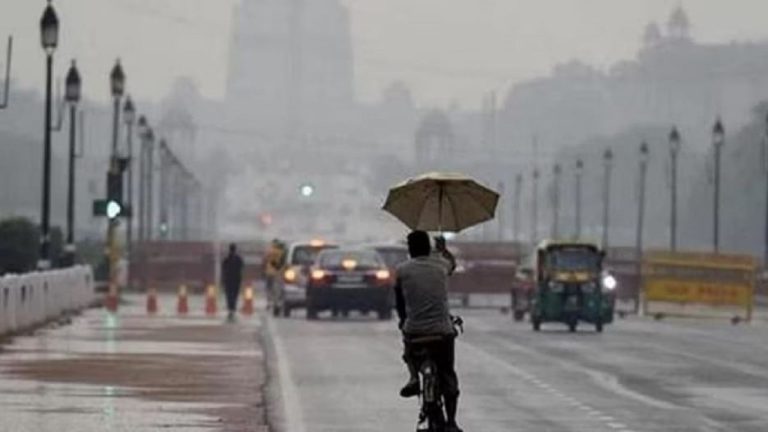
(639, 376)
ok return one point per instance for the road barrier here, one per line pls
(699, 284)
(33, 298)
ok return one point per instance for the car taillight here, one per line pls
(318, 275)
(383, 275)
(290, 275)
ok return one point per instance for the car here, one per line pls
(290, 288)
(393, 254)
(349, 279)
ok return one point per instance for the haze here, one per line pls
(445, 50)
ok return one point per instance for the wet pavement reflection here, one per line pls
(133, 372)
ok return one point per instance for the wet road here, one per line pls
(638, 376)
(131, 372)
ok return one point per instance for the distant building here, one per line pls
(291, 66)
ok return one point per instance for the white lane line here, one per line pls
(617, 426)
(294, 416)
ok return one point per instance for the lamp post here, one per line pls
(129, 116)
(535, 208)
(643, 167)
(579, 174)
(49, 37)
(765, 170)
(143, 130)
(557, 171)
(674, 151)
(117, 87)
(164, 185)
(72, 96)
(718, 139)
(516, 208)
(607, 168)
(7, 83)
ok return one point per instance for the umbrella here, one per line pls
(441, 202)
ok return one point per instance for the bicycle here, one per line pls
(432, 417)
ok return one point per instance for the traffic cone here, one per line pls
(210, 300)
(182, 305)
(152, 301)
(247, 308)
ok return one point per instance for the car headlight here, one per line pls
(609, 283)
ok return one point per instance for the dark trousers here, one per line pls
(232, 291)
(443, 353)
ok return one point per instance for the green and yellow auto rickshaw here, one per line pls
(571, 286)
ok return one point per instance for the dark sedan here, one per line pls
(349, 279)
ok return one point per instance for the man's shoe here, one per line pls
(411, 389)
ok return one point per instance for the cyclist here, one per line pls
(273, 264)
(422, 306)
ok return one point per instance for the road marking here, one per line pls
(294, 417)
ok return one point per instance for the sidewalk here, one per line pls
(132, 372)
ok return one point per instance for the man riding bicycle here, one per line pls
(422, 305)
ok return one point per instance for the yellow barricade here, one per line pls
(700, 284)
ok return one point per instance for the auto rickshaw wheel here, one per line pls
(599, 326)
(518, 315)
(536, 322)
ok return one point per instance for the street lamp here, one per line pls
(765, 169)
(49, 38)
(129, 116)
(607, 168)
(557, 172)
(72, 97)
(718, 139)
(643, 167)
(674, 151)
(579, 174)
(535, 208)
(117, 87)
(516, 209)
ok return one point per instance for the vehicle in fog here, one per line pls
(289, 291)
(571, 286)
(393, 254)
(343, 280)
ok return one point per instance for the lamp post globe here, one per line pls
(718, 133)
(674, 141)
(73, 86)
(608, 157)
(117, 80)
(49, 29)
(129, 111)
(643, 152)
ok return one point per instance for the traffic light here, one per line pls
(307, 190)
(115, 186)
(114, 209)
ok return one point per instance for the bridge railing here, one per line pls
(33, 298)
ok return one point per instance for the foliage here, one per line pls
(19, 240)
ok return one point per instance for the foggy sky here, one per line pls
(446, 50)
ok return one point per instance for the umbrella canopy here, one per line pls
(441, 202)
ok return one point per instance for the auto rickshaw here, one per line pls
(571, 286)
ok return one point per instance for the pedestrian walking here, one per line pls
(232, 275)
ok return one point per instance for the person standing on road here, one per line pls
(421, 295)
(232, 275)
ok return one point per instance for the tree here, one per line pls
(19, 241)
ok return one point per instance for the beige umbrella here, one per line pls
(441, 202)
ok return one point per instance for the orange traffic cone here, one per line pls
(210, 300)
(152, 301)
(182, 306)
(247, 308)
